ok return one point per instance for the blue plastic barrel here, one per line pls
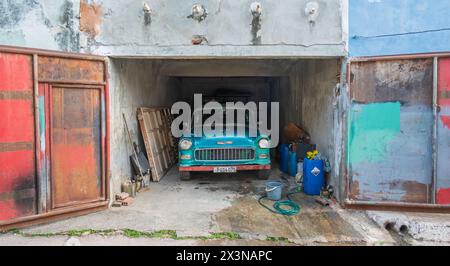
(284, 157)
(293, 163)
(313, 177)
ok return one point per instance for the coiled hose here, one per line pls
(280, 206)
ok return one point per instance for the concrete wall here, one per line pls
(380, 27)
(319, 87)
(134, 84)
(44, 24)
(307, 99)
(285, 30)
(123, 28)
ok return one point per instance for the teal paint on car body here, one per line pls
(225, 142)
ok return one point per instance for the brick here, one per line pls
(117, 204)
(322, 201)
(122, 196)
(128, 201)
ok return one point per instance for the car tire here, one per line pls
(185, 175)
(263, 174)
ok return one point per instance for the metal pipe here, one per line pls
(396, 206)
(435, 129)
(399, 57)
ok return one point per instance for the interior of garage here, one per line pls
(304, 88)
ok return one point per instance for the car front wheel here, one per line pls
(185, 175)
(263, 174)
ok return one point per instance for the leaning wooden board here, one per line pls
(159, 145)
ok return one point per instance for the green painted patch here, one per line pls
(371, 128)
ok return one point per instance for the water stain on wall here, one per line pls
(13, 11)
(68, 38)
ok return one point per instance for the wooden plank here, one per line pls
(157, 139)
(55, 69)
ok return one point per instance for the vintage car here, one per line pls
(227, 153)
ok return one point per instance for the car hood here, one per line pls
(217, 142)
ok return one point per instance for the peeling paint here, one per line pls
(445, 121)
(69, 38)
(443, 196)
(372, 127)
(404, 172)
(90, 18)
(13, 11)
(40, 24)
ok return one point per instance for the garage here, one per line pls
(75, 115)
(305, 89)
(89, 91)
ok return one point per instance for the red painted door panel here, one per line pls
(443, 140)
(76, 145)
(17, 139)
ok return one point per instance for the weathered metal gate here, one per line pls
(398, 144)
(53, 135)
(443, 132)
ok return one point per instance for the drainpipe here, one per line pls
(435, 129)
(340, 138)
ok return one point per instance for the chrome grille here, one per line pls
(225, 154)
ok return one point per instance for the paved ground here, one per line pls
(217, 210)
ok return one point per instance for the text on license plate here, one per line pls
(230, 169)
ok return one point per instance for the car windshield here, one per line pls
(204, 114)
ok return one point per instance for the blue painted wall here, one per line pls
(389, 27)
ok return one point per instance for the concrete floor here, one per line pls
(212, 204)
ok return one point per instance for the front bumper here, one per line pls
(203, 168)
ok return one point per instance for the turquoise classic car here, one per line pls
(227, 153)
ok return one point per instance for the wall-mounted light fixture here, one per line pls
(312, 11)
(147, 13)
(256, 10)
(198, 12)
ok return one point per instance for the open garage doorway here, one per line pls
(306, 90)
(220, 207)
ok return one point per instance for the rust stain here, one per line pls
(354, 190)
(415, 192)
(90, 18)
(399, 80)
(445, 94)
(76, 148)
(74, 70)
(16, 146)
(15, 95)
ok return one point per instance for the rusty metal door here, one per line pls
(443, 132)
(389, 146)
(17, 137)
(76, 148)
(54, 139)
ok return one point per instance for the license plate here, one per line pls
(225, 169)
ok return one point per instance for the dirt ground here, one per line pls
(211, 210)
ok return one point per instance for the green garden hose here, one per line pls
(280, 206)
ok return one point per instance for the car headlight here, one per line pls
(264, 143)
(185, 144)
